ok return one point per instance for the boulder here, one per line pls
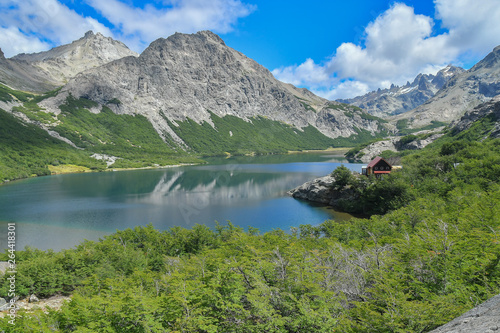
(318, 190)
(34, 299)
(484, 318)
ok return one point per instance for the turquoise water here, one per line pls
(61, 211)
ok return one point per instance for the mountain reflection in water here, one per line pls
(61, 211)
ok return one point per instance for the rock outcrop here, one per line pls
(490, 109)
(419, 140)
(484, 318)
(320, 190)
(396, 99)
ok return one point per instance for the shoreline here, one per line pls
(73, 169)
(82, 169)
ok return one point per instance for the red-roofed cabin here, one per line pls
(378, 167)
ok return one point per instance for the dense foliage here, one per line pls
(236, 136)
(27, 150)
(432, 256)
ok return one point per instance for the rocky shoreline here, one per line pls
(320, 190)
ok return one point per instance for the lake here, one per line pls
(60, 211)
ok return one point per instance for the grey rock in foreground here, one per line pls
(484, 318)
(320, 190)
(317, 190)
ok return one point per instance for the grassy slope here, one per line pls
(236, 136)
(27, 150)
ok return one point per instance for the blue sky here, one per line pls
(337, 49)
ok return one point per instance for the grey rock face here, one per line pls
(396, 100)
(489, 109)
(190, 76)
(22, 75)
(394, 144)
(317, 190)
(485, 318)
(366, 154)
(463, 92)
(43, 71)
(320, 190)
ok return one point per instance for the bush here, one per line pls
(343, 177)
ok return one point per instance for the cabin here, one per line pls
(378, 167)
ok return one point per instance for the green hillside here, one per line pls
(434, 255)
(237, 136)
(28, 150)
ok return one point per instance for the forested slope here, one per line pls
(434, 255)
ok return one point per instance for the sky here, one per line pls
(335, 48)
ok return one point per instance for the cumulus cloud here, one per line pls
(140, 26)
(398, 45)
(43, 22)
(47, 23)
(13, 41)
(306, 72)
(473, 25)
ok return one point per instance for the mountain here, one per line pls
(463, 92)
(396, 100)
(43, 71)
(22, 75)
(483, 120)
(187, 82)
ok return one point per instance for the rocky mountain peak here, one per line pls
(62, 63)
(198, 77)
(211, 36)
(463, 90)
(397, 100)
(2, 55)
(492, 60)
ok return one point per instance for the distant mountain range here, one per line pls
(182, 79)
(461, 93)
(396, 99)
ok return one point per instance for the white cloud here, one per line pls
(306, 72)
(398, 45)
(474, 25)
(48, 23)
(346, 88)
(40, 21)
(13, 41)
(140, 26)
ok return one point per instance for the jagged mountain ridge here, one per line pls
(463, 92)
(196, 75)
(21, 75)
(43, 71)
(396, 99)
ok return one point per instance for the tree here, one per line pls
(343, 177)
